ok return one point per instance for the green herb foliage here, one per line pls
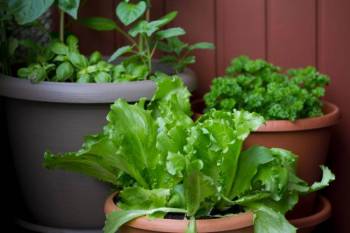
(162, 162)
(25, 13)
(146, 36)
(259, 86)
(62, 62)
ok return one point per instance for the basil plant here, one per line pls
(145, 37)
(162, 161)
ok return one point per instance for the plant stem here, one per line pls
(121, 31)
(148, 12)
(148, 15)
(148, 52)
(61, 25)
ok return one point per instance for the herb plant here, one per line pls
(146, 36)
(62, 62)
(24, 13)
(163, 162)
(259, 86)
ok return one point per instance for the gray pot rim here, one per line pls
(90, 93)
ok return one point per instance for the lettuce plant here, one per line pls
(161, 161)
(259, 86)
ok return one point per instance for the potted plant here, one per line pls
(290, 101)
(166, 166)
(64, 95)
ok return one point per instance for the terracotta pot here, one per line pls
(240, 223)
(308, 138)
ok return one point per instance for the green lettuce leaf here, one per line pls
(137, 198)
(248, 167)
(116, 219)
(198, 189)
(327, 177)
(266, 220)
(94, 159)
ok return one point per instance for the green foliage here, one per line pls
(258, 86)
(26, 13)
(164, 162)
(62, 62)
(146, 36)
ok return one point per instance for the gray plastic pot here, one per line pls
(57, 116)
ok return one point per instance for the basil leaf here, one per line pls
(99, 23)
(202, 45)
(59, 48)
(64, 71)
(103, 77)
(30, 10)
(70, 7)
(129, 12)
(78, 60)
(171, 32)
(119, 52)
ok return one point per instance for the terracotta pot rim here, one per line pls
(331, 117)
(324, 212)
(237, 221)
(234, 222)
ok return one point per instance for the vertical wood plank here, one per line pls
(240, 30)
(199, 22)
(158, 9)
(91, 40)
(333, 51)
(291, 32)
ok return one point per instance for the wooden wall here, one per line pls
(290, 33)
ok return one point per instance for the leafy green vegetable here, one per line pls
(258, 86)
(118, 218)
(164, 162)
(267, 220)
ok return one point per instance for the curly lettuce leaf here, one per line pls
(138, 198)
(248, 166)
(327, 177)
(94, 159)
(198, 189)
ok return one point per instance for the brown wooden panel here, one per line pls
(158, 9)
(240, 30)
(91, 40)
(291, 32)
(199, 22)
(333, 59)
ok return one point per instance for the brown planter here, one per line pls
(240, 223)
